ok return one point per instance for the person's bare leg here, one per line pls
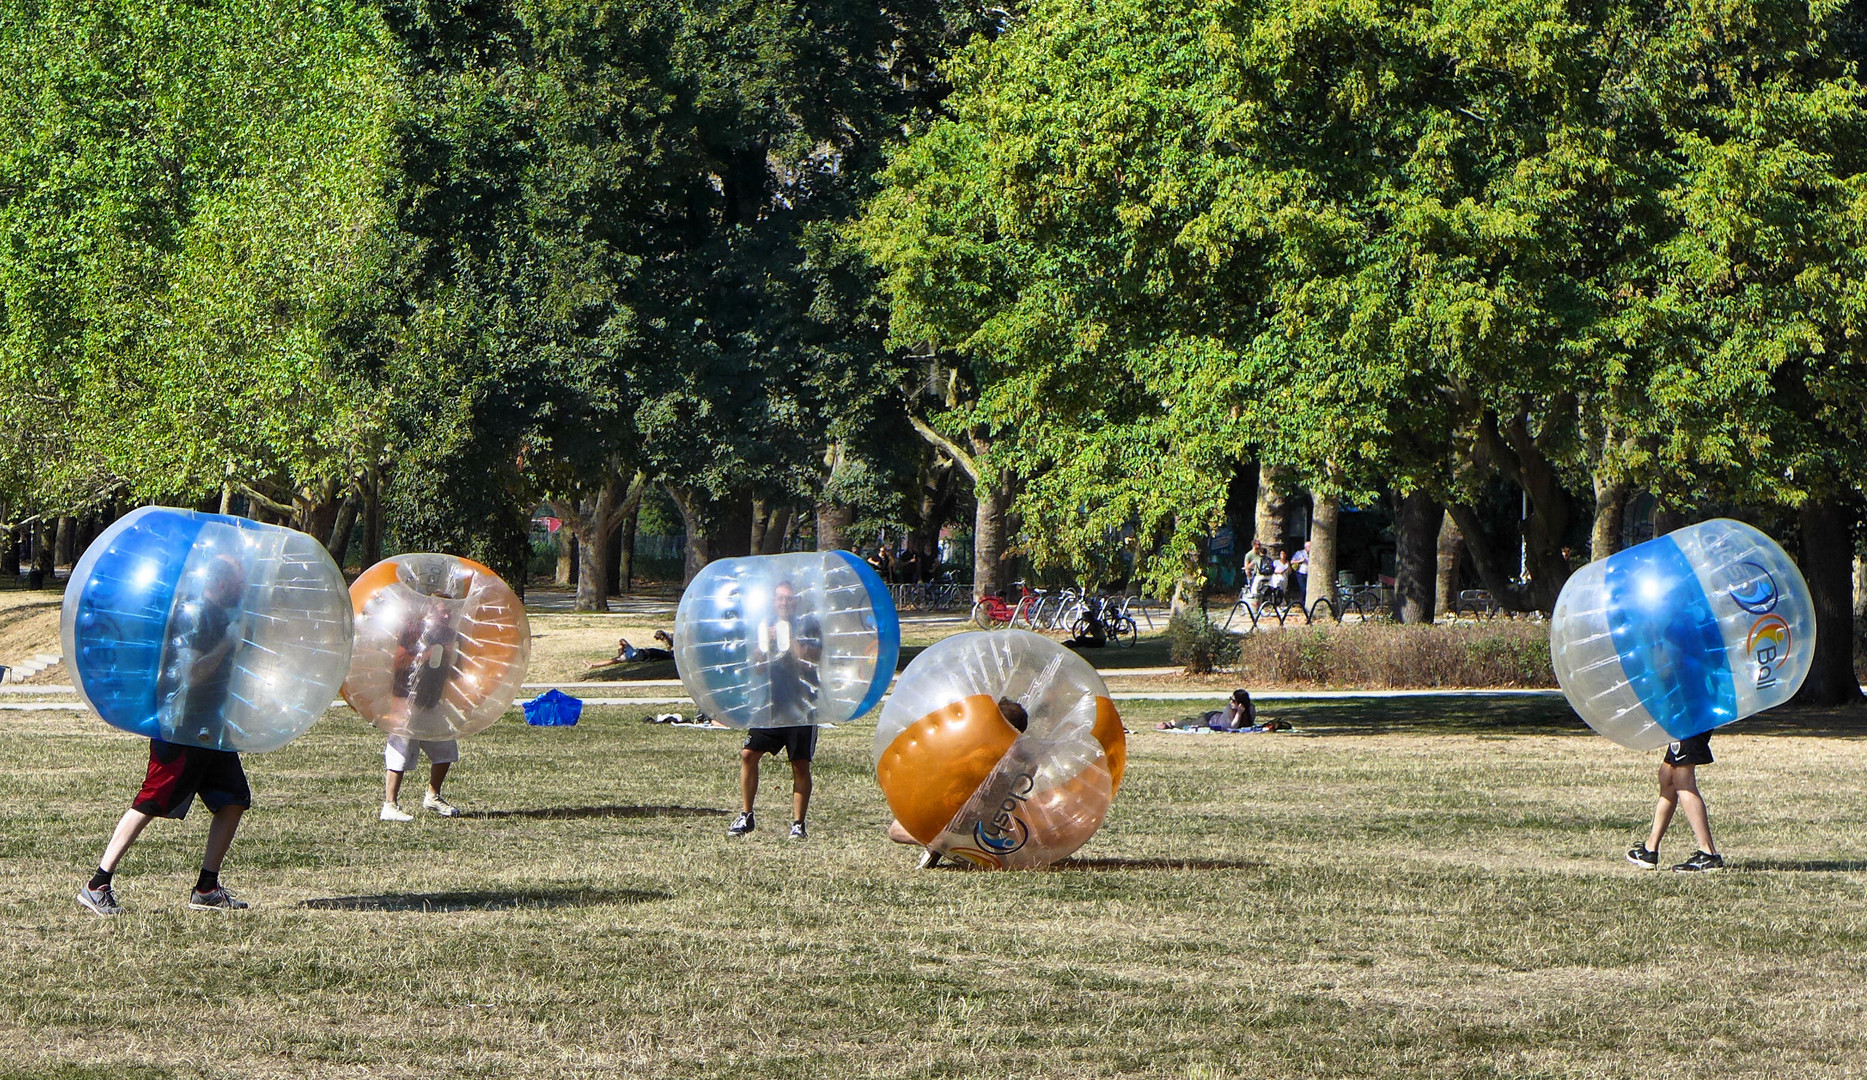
(748, 778)
(1694, 806)
(1663, 813)
(900, 835)
(800, 789)
(220, 832)
(437, 773)
(129, 827)
(391, 786)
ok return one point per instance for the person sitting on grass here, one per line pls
(1015, 715)
(629, 654)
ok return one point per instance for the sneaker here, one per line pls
(1701, 862)
(742, 824)
(797, 831)
(929, 859)
(1644, 857)
(215, 899)
(392, 812)
(100, 901)
(441, 806)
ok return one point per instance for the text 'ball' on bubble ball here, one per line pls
(442, 646)
(206, 630)
(1682, 634)
(964, 781)
(786, 640)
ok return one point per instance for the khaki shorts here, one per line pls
(404, 752)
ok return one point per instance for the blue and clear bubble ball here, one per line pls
(786, 640)
(1682, 634)
(206, 630)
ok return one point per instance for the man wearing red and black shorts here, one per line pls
(192, 696)
(177, 775)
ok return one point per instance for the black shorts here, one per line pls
(1693, 751)
(798, 743)
(178, 773)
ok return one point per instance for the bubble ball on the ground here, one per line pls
(442, 646)
(786, 640)
(1682, 634)
(961, 777)
(206, 630)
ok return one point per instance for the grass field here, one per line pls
(1423, 887)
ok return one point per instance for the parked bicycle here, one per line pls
(1117, 628)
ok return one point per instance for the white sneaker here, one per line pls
(392, 812)
(441, 806)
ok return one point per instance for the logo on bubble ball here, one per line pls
(1768, 645)
(1757, 596)
(1006, 832)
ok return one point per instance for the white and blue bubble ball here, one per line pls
(1682, 634)
(206, 630)
(786, 640)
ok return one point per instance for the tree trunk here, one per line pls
(1273, 506)
(1604, 539)
(626, 549)
(65, 539)
(777, 530)
(1827, 563)
(338, 543)
(372, 518)
(566, 572)
(593, 565)
(1860, 588)
(1325, 514)
(9, 553)
(1669, 520)
(1494, 565)
(43, 547)
(1416, 533)
(716, 528)
(988, 536)
(612, 567)
(1451, 550)
(833, 521)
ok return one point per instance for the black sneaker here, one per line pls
(215, 899)
(101, 901)
(1701, 862)
(1644, 857)
(742, 824)
(797, 831)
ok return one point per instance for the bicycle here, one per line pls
(1117, 628)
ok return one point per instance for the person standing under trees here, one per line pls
(789, 646)
(1299, 569)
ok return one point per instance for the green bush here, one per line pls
(1389, 656)
(1199, 645)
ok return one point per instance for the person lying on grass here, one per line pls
(1239, 714)
(1015, 715)
(629, 654)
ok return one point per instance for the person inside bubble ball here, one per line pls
(191, 694)
(424, 661)
(1018, 717)
(788, 647)
(1678, 776)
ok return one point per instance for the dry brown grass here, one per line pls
(1411, 888)
(1379, 655)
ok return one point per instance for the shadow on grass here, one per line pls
(560, 812)
(1805, 866)
(1157, 864)
(485, 901)
(627, 671)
